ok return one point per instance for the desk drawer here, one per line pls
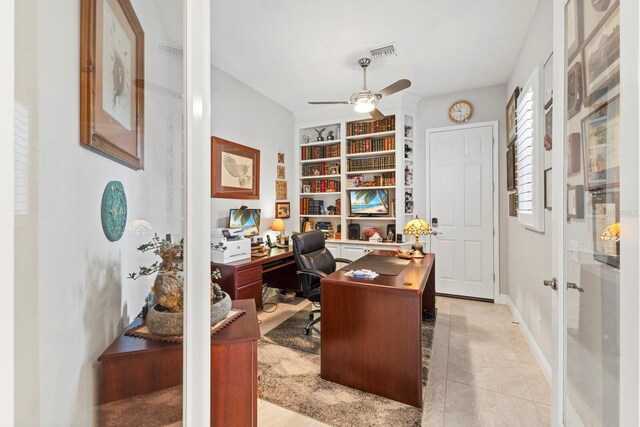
(249, 275)
(251, 291)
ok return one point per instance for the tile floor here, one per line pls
(482, 371)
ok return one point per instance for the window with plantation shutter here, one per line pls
(530, 154)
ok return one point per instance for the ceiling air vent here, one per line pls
(384, 51)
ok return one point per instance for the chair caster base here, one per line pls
(306, 331)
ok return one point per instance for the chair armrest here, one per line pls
(315, 273)
(344, 260)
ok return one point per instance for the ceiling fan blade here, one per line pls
(377, 114)
(328, 102)
(395, 87)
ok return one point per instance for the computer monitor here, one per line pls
(246, 219)
(369, 202)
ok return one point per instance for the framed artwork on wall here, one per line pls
(283, 210)
(574, 90)
(548, 190)
(280, 172)
(511, 168)
(548, 129)
(513, 204)
(573, 27)
(601, 134)
(511, 111)
(606, 218)
(548, 82)
(281, 190)
(112, 81)
(575, 201)
(601, 55)
(235, 170)
(573, 153)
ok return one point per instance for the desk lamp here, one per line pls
(278, 225)
(417, 227)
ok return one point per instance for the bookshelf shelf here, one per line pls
(371, 135)
(320, 176)
(370, 154)
(328, 159)
(371, 171)
(320, 143)
(381, 187)
(323, 193)
(372, 218)
(320, 216)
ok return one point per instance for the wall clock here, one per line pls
(114, 211)
(460, 111)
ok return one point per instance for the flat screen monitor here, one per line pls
(246, 219)
(369, 202)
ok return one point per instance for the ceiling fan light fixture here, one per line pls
(364, 106)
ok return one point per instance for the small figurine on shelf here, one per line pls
(319, 132)
(330, 136)
(306, 139)
(331, 210)
(407, 151)
(407, 131)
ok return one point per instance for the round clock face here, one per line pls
(114, 210)
(460, 111)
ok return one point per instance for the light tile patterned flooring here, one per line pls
(482, 372)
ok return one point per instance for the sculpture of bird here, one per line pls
(240, 172)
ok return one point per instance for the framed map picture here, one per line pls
(281, 190)
(235, 170)
(112, 81)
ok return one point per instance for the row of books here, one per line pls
(315, 169)
(385, 179)
(320, 186)
(310, 206)
(311, 153)
(374, 163)
(369, 145)
(363, 128)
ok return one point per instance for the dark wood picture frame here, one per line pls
(606, 211)
(225, 168)
(574, 158)
(513, 204)
(575, 89)
(548, 129)
(575, 201)
(511, 168)
(511, 116)
(280, 210)
(598, 171)
(548, 190)
(609, 52)
(117, 131)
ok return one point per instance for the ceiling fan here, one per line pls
(364, 100)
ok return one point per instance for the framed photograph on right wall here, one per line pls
(601, 142)
(606, 227)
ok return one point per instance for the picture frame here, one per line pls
(601, 57)
(283, 210)
(548, 189)
(575, 89)
(575, 201)
(281, 190)
(606, 212)
(600, 135)
(511, 168)
(548, 129)
(573, 28)
(280, 172)
(511, 116)
(306, 189)
(112, 81)
(513, 204)
(280, 157)
(573, 153)
(334, 170)
(548, 82)
(356, 181)
(235, 170)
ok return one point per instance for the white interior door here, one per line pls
(461, 208)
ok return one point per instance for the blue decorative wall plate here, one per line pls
(114, 210)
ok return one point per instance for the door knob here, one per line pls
(553, 283)
(574, 286)
(435, 233)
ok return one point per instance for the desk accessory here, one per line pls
(417, 227)
(282, 240)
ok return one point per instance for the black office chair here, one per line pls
(314, 262)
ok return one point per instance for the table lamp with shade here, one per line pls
(278, 225)
(417, 227)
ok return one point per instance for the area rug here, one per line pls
(290, 333)
(290, 378)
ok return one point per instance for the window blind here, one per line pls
(524, 151)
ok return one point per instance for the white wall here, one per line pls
(245, 116)
(72, 297)
(488, 105)
(528, 254)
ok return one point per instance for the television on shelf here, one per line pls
(364, 202)
(246, 219)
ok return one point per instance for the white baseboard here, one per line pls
(544, 364)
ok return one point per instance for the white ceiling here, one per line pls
(294, 51)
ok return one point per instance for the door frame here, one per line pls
(7, 361)
(496, 180)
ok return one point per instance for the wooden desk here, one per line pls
(135, 366)
(244, 279)
(371, 330)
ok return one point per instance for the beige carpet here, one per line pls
(290, 378)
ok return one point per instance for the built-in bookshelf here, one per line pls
(365, 156)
